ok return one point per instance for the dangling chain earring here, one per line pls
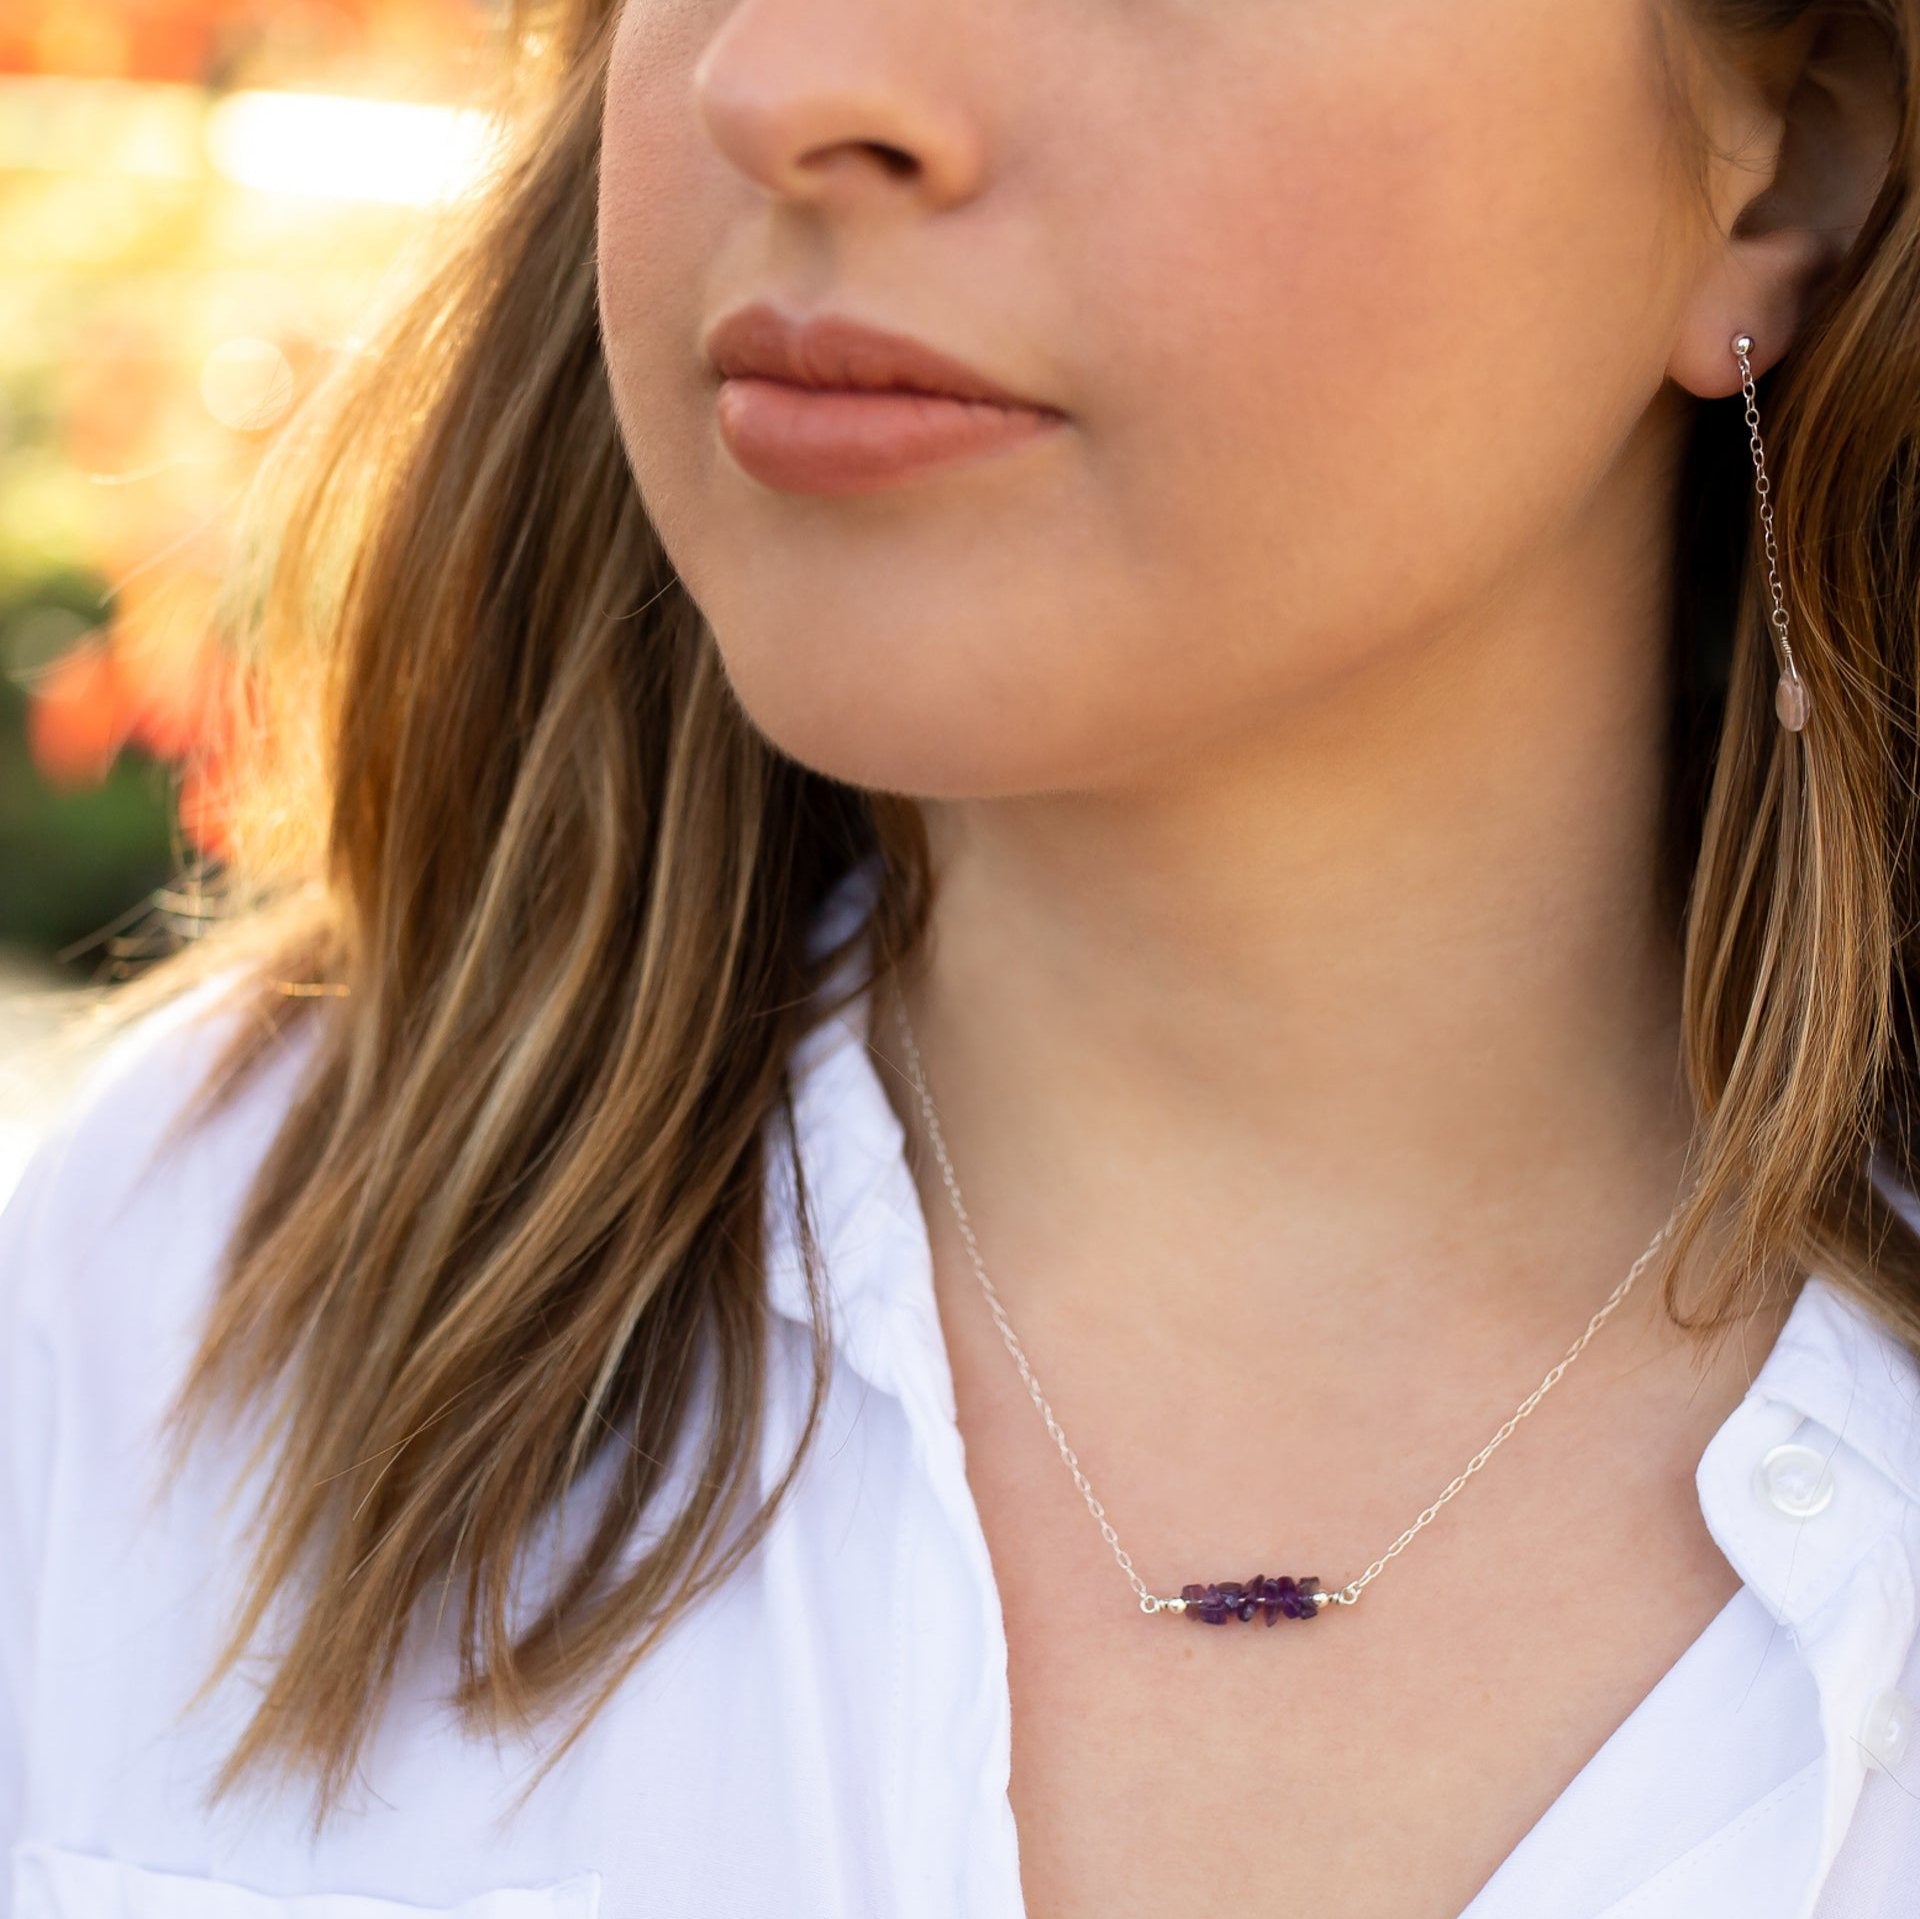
(1790, 698)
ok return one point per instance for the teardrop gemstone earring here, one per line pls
(1791, 700)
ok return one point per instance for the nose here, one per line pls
(842, 103)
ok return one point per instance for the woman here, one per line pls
(911, 1037)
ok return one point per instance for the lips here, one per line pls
(833, 350)
(828, 405)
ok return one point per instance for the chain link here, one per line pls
(1345, 1595)
(1741, 344)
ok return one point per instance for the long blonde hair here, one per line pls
(511, 855)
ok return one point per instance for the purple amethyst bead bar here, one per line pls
(1276, 1596)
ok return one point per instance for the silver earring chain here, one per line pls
(1790, 698)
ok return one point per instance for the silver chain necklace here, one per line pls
(1215, 1602)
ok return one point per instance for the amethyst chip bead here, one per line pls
(1204, 1602)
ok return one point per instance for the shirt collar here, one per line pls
(874, 1255)
(1836, 1363)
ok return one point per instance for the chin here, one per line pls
(909, 753)
(893, 735)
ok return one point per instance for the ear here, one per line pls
(1814, 115)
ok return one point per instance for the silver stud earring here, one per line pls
(1790, 698)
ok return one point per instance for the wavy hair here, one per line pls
(509, 850)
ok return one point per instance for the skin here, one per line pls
(1289, 728)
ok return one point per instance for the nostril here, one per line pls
(833, 157)
(897, 161)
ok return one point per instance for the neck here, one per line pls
(1370, 1002)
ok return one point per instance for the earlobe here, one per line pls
(1763, 284)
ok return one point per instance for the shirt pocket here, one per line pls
(51, 1882)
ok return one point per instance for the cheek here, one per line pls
(658, 216)
(1371, 342)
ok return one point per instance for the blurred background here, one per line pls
(200, 201)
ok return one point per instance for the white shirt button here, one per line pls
(1794, 1479)
(1889, 1728)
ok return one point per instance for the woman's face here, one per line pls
(1354, 312)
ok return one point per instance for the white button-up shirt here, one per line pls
(827, 1735)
